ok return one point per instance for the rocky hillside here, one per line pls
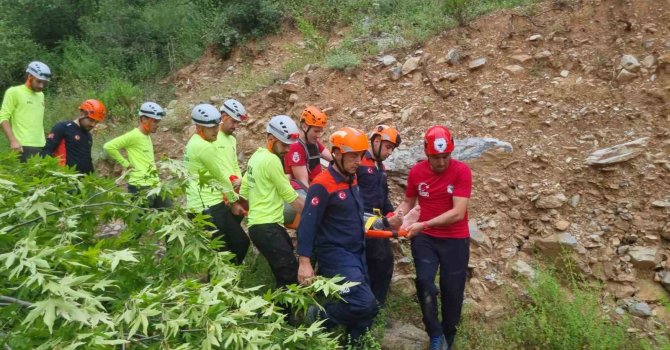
(551, 89)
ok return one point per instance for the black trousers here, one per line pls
(229, 230)
(274, 243)
(451, 255)
(29, 152)
(379, 258)
(153, 201)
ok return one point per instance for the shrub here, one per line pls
(17, 50)
(66, 283)
(342, 59)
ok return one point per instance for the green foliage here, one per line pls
(235, 21)
(17, 50)
(553, 317)
(462, 11)
(66, 282)
(342, 59)
(122, 98)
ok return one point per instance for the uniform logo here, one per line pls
(51, 136)
(450, 189)
(440, 144)
(77, 137)
(423, 189)
(370, 171)
(296, 157)
(315, 201)
(342, 195)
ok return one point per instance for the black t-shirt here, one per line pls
(72, 145)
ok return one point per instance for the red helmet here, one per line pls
(94, 109)
(438, 140)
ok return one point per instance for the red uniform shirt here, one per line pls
(296, 156)
(435, 193)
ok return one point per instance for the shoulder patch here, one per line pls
(296, 157)
(315, 201)
(342, 195)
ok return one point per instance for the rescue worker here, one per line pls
(232, 114)
(266, 188)
(22, 112)
(71, 141)
(214, 196)
(440, 238)
(303, 160)
(332, 228)
(137, 144)
(372, 182)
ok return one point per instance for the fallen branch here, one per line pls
(15, 301)
(57, 212)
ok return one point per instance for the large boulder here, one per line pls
(643, 257)
(469, 148)
(554, 245)
(404, 337)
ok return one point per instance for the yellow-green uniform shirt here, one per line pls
(24, 109)
(266, 187)
(200, 157)
(226, 146)
(140, 155)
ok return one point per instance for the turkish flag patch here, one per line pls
(342, 195)
(315, 201)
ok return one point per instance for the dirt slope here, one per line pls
(552, 87)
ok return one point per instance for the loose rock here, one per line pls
(643, 257)
(477, 63)
(619, 153)
(629, 63)
(410, 65)
(551, 201)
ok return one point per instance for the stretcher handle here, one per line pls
(385, 234)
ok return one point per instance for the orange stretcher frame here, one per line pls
(385, 234)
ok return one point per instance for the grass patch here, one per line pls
(342, 59)
(554, 317)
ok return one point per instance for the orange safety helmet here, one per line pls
(387, 133)
(94, 109)
(349, 140)
(438, 140)
(312, 116)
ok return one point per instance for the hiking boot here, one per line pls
(313, 314)
(438, 343)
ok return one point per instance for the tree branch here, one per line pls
(15, 301)
(86, 206)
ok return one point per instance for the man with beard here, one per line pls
(22, 113)
(440, 239)
(372, 181)
(71, 141)
(266, 187)
(137, 143)
(332, 229)
(209, 191)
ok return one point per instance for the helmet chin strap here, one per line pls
(340, 167)
(309, 127)
(146, 125)
(377, 152)
(271, 145)
(201, 133)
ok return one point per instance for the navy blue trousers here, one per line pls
(451, 255)
(359, 307)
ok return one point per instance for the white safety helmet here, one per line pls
(205, 115)
(284, 129)
(152, 110)
(235, 109)
(39, 70)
